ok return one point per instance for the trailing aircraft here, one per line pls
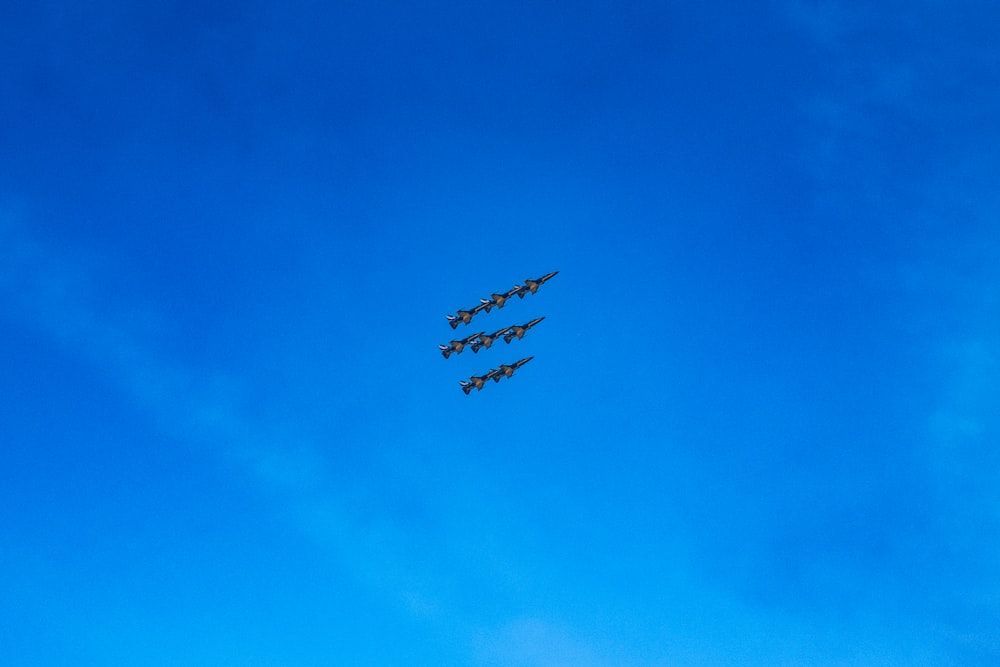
(477, 381)
(519, 331)
(457, 346)
(464, 316)
(506, 370)
(499, 299)
(533, 285)
(487, 341)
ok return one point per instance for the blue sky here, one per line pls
(762, 422)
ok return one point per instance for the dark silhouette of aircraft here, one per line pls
(533, 285)
(499, 299)
(457, 346)
(487, 341)
(464, 315)
(519, 290)
(506, 370)
(477, 381)
(519, 331)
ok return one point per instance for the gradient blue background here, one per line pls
(762, 425)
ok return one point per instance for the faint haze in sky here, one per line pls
(761, 424)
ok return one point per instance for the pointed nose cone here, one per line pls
(525, 360)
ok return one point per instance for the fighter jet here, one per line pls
(506, 370)
(457, 346)
(499, 300)
(464, 316)
(519, 331)
(477, 381)
(487, 341)
(533, 285)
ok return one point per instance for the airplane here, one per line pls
(519, 331)
(457, 346)
(476, 382)
(464, 316)
(499, 300)
(506, 370)
(487, 341)
(533, 285)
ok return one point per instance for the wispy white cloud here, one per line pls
(57, 295)
(826, 21)
(200, 407)
(968, 410)
(889, 128)
(536, 642)
(952, 278)
(889, 79)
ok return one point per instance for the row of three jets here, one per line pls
(482, 339)
(477, 382)
(498, 300)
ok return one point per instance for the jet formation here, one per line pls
(481, 340)
(477, 382)
(497, 300)
(478, 341)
